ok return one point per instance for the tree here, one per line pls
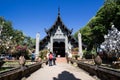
(10, 38)
(93, 33)
(7, 31)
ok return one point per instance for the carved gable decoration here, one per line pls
(59, 33)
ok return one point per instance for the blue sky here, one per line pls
(32, 16)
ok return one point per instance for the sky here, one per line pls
(33, 16)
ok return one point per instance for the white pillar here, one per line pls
(51, 44)
(66, 44)
(37, 44)
(80, 45)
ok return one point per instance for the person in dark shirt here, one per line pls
(33, 56)
(54, 58)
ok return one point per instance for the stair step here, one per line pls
(61, 60)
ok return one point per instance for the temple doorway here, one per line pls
(59, 48)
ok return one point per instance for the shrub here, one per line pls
(22, 50)
(43, 53)
(75, 56)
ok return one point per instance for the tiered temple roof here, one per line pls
(49, 32)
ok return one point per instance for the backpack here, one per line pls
(50, 56)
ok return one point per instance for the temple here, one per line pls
(59, 38)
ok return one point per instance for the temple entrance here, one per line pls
(59, 48)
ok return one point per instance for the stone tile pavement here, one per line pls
(61, 71)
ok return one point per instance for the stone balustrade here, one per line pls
(19, 73)
(101, 72)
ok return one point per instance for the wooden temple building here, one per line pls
(59, 38)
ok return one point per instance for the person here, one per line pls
(66, 55)
(22, 60)
(50, 58)
(69, 56)
(47, 57)
(38, 59)
(54, 58)
(33, 56)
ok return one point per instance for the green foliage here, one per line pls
(29, 42)
(93, 51)
(86, 35)
(75, 49)
(10, 38)
(43, 54)
(93, 33)
(112, 1)
(75, 56)
(85, 52)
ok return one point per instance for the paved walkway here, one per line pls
(61, 71)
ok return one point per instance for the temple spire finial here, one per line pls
(58, 11)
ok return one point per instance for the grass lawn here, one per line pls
(5, 68)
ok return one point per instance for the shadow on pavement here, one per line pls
(65, 75)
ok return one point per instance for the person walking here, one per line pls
(54, 58)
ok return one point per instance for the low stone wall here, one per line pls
(19, 73)
(14, 63)
(101, 72)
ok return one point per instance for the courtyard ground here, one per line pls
(61, 71)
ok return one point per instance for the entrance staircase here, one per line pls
(61, 60)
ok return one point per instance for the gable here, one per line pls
(59, 23)
(59, 33)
